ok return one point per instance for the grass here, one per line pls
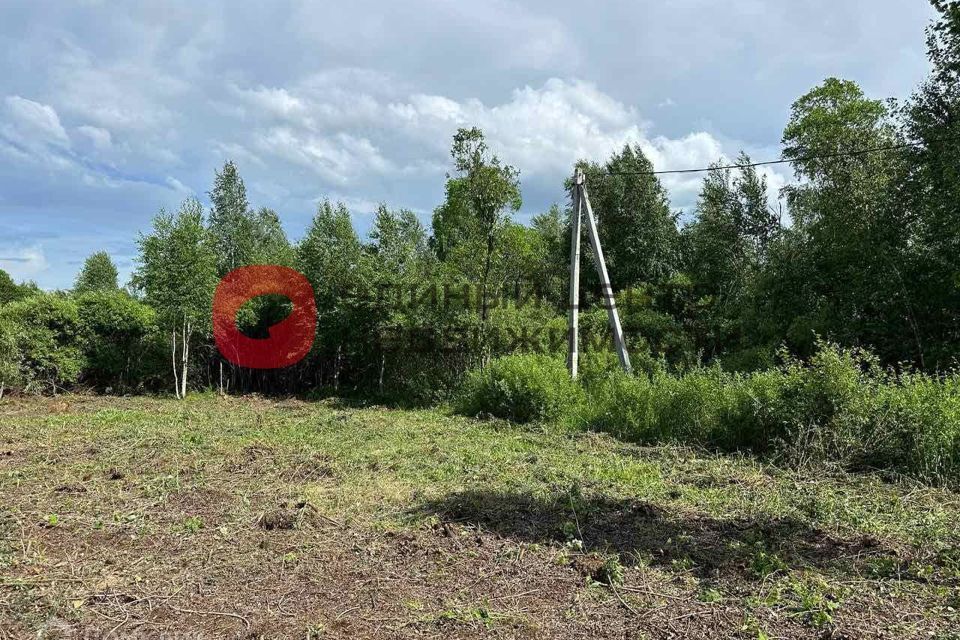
(247, 516)
(839, 408)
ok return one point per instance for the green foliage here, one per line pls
(177, 274)
(816, 600)
(231, 224)
(923, 420)
(840, 407)
(726, 247)
(11, 291)
(98, 274)
(637, 230)
(487, 192)
(522, 388)
(192, 524)
(931, 192)
(331, 258)
(176, 268)
(611, 572)
(120, 339)
(46, 331)
(11, 373)
(840, 269)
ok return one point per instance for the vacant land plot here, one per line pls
(212, 518)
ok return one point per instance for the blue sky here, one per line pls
(109, 112)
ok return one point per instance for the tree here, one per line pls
(98, 274)
(638, 232)
(269, 245)
(399, 265)
(931, 119)
(231, 223)
(9, 291)
(177, 273)
(330, 256)
(398, 240)
(845, 253)
(726, 246)
(453, 225)
(11, 367)
(242, 237)
(45, 332)
(550, 276)
(487, 192)
(117, 334)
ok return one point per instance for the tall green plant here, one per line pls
(177, 274)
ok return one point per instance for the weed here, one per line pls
(816, 601)
(523, 388)
(611, 571)
(710, 596)
(192, 524)
(764, 563)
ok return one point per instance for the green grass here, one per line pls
(728, 528)
(839, 409)
(386, 460)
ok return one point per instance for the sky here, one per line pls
(111, 111)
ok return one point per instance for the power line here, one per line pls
(839, 154)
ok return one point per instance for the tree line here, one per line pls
(863, 249)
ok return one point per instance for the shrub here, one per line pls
(47, 339)
(921, 421)
(11, 373)
(118, 338)
(839, 407)
(705, 406)
(623, 405)
(828, 407)
(522, 388)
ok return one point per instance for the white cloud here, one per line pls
(350, 137)
(179, 187)
(23, 263)
(277, 102)
(339, 157)
(100, 138)
(32, 122)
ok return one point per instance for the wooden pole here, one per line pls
(573, 355)
(605, 286)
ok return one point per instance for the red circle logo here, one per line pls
(290, 340)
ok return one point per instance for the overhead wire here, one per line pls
(824, 156)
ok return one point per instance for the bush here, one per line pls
(522, 388)
(119, 338)
(840, 407)
(623, 405)
(922, 422)
(11, 372)
(705, 406)
(47, 340)
(829, 408)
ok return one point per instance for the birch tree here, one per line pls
(177, 274)
(488, 191)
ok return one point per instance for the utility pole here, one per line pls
(580, 201)
(573, 315)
